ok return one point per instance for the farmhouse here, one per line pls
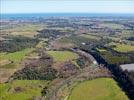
(129, 67)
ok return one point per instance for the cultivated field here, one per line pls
(15, 57)
(62, 56)
(124, 48)
(112, 58)
(22, 89)
(92, 37)
(98, 89)
(10, 62)
(28, 30)
(112, 25)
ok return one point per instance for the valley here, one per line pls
(66, 58)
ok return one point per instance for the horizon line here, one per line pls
(68, 13)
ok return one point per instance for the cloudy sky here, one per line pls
(67, 6)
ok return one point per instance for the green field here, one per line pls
(112, 25)
(65, 40)
(15, 56)
(62, 56)
(90, 36)
(28, 30)
(97, 89)
(42, 43)
(112, 59)
(21, 89)
(124, 48)
(10, 62)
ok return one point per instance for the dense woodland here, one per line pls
(37, 70)
(17, 43)
(47, 33)
(131, 38)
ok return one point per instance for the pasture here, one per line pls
(124, 48)
(92, 37)
(63, 42)
(15, 57)
(97, 89)
(112, 25)
(62, 56)
(28, 30)
(112, 58)
(22, 89)
(10, 62)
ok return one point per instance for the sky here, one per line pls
(67, 6)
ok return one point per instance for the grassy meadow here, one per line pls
(22, 89)
(15, 57)
(112, 25)
(28, 30)
(62, 56)
(112, 59)
(92, 37)
(124, 48)
(97, 89)
(63, 42)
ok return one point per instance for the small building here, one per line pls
(83, 43)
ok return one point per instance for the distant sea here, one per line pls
(30, 15)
